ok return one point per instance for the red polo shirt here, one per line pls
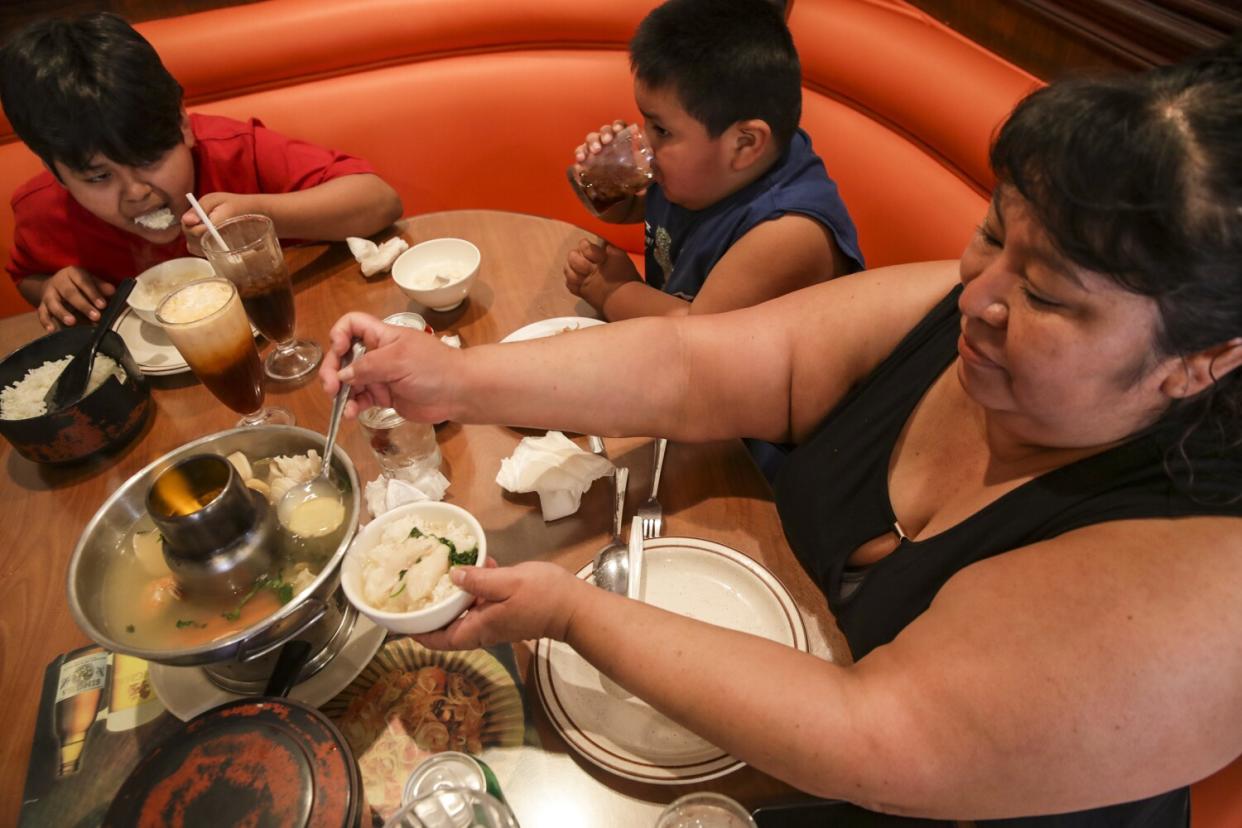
(53, 231)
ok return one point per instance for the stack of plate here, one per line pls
(150, 347)
(624, 735)
(155, 354)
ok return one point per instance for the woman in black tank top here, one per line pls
(1018, 481)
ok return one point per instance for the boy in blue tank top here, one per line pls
(738, 193)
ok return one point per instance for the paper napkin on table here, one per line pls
(407, 485)
(373, 257)
(555, 468)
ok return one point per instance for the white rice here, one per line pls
(24, 398)
(403, 574)
(160, 219)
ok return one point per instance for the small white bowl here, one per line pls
(157, 282)
(438, 273)
(428, 618)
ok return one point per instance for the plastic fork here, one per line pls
(651, 512)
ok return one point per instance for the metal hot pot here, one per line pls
(242, 661)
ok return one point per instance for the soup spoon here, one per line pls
(320, 487)
(612, 563)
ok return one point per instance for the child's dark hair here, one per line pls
(1140, 178)
(727, 61)
(73, 88)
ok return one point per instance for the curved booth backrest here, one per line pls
(479, 104)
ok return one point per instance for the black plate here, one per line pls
(262, 762)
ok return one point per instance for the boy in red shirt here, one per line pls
(91, 98)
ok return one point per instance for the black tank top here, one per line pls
(832, 497)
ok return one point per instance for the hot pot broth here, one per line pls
(143, 606)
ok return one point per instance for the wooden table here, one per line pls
(710, 491)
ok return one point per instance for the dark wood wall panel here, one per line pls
(1051, 38)
(17, 13)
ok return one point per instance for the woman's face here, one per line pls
(1064, 355)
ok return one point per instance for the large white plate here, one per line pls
(548, 327)
(149, 345)
(186, 691)
(621, 734)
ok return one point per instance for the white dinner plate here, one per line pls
(548, 327)
(186, 691)
(623, 735)
(149, 345)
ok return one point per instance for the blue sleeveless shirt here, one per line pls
(683, 245)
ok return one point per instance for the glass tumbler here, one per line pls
(705, 810)
(622, 168)
(252, 260)
(205, 321)
(399, 443)
(453, 808)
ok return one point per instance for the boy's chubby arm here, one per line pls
(772, 259)
(58, 298)
(352, 205)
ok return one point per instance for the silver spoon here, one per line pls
(612, 563)
(321, 485)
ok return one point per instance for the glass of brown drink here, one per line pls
(207, 323)
(254, 262)
(622, 168)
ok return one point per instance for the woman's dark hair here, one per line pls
(727, 61)
(1140, 178)
(74, 88)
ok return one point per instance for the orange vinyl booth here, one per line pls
(479, 104)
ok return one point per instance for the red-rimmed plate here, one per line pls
(625, 736)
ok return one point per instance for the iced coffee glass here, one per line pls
(622, 168)
(253, 261)
(207, 323)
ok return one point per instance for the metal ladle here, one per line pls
(612, 563)
(321, 485)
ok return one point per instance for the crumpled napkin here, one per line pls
(555, 468)
(408, 485)
(376, 258)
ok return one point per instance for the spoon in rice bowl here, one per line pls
(314, 508)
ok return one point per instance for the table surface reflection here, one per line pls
(709, 491)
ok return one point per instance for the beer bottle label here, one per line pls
(83, 674)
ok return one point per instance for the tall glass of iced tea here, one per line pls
(254, 262)
(207, 323)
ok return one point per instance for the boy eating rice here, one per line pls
(92, 99)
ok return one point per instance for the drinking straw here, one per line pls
(202, 214)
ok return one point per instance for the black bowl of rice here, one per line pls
(110, 414)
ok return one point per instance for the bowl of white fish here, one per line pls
(126, 597)
(397, 571)
(110, 414)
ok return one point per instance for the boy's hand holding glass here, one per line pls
(612, 166)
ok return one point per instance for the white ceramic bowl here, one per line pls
(157, 282)
(429, 618)
(438, 273)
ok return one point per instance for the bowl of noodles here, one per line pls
(397, 571)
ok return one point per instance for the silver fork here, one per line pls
(651, 512)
